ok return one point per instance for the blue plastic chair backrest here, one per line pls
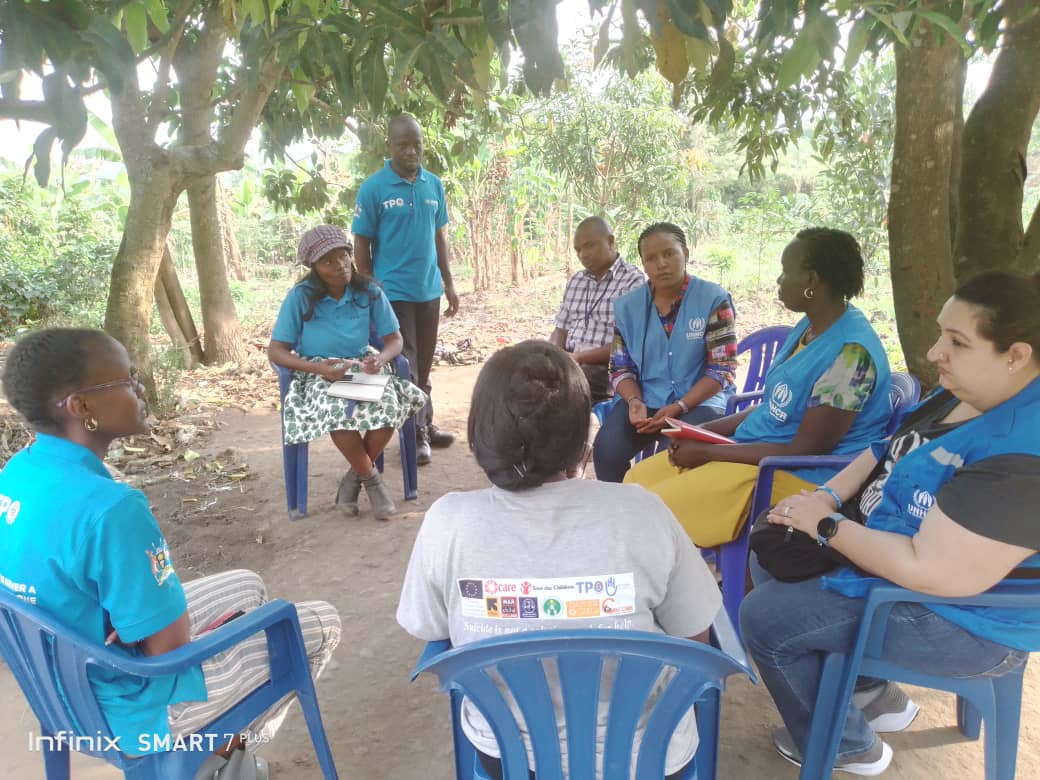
(903, 394)
(520, 662)
(52, 672)
(762, 346)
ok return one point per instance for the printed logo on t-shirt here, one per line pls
(695, 329)
(922, 502)
(9, 509)
(538, 599)
(162, 564)
(780, 398)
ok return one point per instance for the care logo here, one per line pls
(551, 607)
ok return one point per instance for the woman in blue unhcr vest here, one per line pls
(87, 550)
(674, 352)
(826, 391)
(946, 507)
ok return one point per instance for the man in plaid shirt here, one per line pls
(585, 322)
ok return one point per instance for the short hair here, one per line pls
(43, 363)
(596, 220)
(1009, 306)
(529, 415)
(836, 258)
(401, 119)
(661, 227)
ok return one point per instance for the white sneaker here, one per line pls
(869, 763)
(887, 708)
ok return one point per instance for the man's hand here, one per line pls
(453, 301)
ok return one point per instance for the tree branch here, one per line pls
(28, 110)
(157, 109)
(1029, 256)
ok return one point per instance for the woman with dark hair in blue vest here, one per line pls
(826, 391)
(946, 507)
(674, 352)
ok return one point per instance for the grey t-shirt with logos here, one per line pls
(569, 554)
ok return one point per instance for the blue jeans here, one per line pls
(618, 442)
(789, 625)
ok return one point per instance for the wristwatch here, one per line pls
(827, 527)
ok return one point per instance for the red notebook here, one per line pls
(683, 430)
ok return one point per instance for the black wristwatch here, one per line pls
(827, 527)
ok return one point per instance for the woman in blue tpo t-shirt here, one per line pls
(322, 333)
(950, 510)
(87, 550)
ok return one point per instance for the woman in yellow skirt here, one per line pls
(826, 392)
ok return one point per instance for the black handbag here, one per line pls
(791, 557)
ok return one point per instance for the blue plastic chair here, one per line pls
(50, 663)
(579, 655)
(904, 393)
(295, 456)
(994, 701)
(763, 346)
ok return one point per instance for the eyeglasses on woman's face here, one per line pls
(132, 381)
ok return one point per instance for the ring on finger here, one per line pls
(787, 511)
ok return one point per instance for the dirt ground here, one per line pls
(379, 725)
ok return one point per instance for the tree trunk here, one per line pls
(232, 254)
(168, 293)
(196, 65)
(996, 139)
(919, 234)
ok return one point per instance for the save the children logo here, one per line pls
(780, 397)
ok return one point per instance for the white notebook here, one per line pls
(360, 387)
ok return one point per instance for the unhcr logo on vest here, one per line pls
(780, 398)
(695, 329)
(922, 502)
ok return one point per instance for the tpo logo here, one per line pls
(923, 501)
(10, 509)
(695, 329)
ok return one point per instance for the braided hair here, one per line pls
(529, 416)
(661, 227)
(44, 363)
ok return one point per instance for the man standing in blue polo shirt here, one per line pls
(399, 238)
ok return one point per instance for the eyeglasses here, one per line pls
(133, 381)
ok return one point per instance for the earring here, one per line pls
(90, 423)
(808, 293)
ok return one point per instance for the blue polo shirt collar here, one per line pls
(421, 176)
(57, 447)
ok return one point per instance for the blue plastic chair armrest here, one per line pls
(212, 642)
(430, 651)
(735, 400)
(724, 637)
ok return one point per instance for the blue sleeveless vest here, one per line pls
(669, 367)
(790, 380)
(1013, 427)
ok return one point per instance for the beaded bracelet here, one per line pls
(830, 492)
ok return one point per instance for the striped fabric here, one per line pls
(239, 670)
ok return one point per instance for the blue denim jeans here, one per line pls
(789, 625)
(618, 442)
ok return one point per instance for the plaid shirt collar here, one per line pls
(609, 274)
